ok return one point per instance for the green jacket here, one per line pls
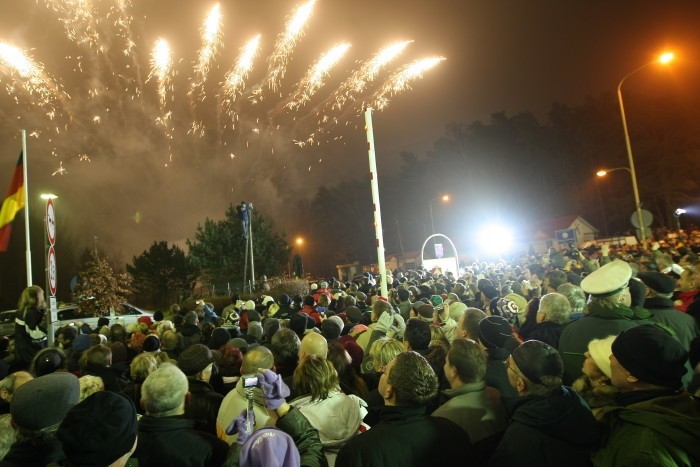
(658, 432)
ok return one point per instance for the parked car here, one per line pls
(70, 315)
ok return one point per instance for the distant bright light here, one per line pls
(601, 173)
(299, 241)
(445, 198)
(666, 57)
(680, 211)
(495, 239)
(48, 196)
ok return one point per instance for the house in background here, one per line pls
(558, 233)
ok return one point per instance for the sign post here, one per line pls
(51, 270)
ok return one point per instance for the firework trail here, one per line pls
(234, 82)
(22, 70)
(211, 35)
(359, 80)
(78, 21)
(313, 80)
(162, 70)
(400, 80)
(286, 41)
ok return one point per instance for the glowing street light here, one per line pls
(677, 214)
(663, 59)
(445, 198)
(47, 196)
(299, 241)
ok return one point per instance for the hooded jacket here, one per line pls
(660, 431)
(555, 430)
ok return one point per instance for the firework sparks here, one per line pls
(161, 69)
(31, 77)
(235, 79)
(359, 80)
(286, 41)
(401, 79)
(78, 21)
(211, 35)
(314, 78)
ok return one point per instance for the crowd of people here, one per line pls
(570, 358)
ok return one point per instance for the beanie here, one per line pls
(269, 447)
(43, 402)
(270, 327)
(48, 361)
(151, 343)
(194, 359)
(255, 330)
(651, 354)
(494, 331)
(99, 430)
(600, 350)
(535, 359)
(219, 337)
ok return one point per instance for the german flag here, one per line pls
(11, 204)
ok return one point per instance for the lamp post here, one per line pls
(677, 215)
(444, 198)
(664, 58)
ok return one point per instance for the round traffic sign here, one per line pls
(647, 218)
(50, 222)
(51, 262)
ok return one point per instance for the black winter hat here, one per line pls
(494, 332)
(658, 281)
(151, 343)
(99, 430)
(219, 338)
(638, 292)
(651, 354)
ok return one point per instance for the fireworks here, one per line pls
(245, 114)
(161, 69)
(211, 40)
(30, 76)
(286, 42)
(400, 80)
(314, 78)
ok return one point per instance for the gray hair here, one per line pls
(575, 295)
(7, 435)
(163, 392)
(557, 308)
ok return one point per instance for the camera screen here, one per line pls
(250, 381)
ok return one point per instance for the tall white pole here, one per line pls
(375, 203)
(28, 255)
(252, 260)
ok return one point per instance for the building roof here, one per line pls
(547, 228)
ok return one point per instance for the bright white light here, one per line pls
(495, 239)
(680, 211)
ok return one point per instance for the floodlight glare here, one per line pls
(495, 239)
(680, 211)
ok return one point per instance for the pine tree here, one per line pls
(99, 287)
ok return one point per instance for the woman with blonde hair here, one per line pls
(141, 366)
(335, 415)
(30, 326)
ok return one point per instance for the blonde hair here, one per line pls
(32, 296)
(384, 350)
(90, 385)
(317, 376)
(143, 365)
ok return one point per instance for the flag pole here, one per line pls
(28, 258)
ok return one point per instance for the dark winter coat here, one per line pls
(555, 430)
(407, 437)
(547, 332)
(497, 376)
(203, 406)
(34, 455)
(174, 442)
(30, 335)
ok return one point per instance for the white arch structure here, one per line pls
(454, 248)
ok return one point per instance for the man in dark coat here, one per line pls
(609, 313)
(494, 335)
(405, 435)
(166, 437)
(197, 363)
(551, 424)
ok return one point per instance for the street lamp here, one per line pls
(46, 196)
(445, 199)
(664, 58)
(677, 215)
(299, 241)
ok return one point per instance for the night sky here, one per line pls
(114, 178)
